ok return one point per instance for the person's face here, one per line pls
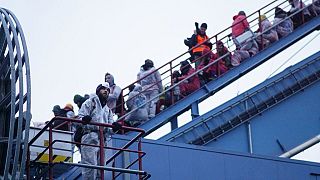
(203, 30)
(108, 79)
(104, 93)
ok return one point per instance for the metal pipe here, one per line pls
(217, 66)
(113, 173)
(106, 168)
(171, 93)
(301, 147)
(81, 122)
(101, 151)
(139, 157)
(50, 153)
(250, 138)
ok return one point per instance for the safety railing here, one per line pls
(102, 147)
(256, 108)
(224, 36)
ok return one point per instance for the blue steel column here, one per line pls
(174, 123)
(194, 109)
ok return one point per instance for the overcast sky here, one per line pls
(73, 43)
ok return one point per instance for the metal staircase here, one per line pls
(225, 118)
(191, 102)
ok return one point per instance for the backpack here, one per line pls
(78, 134)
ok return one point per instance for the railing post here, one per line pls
(50, 153)
(140, 157)
(174, 123)
(113, 173)
(122, 110)
(260, 30)
(122, 103)
(194, 110)
(101, 151)
(171, 93)
(217, 67)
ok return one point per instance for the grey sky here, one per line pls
(72, 43)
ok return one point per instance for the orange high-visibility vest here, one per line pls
(200, 39)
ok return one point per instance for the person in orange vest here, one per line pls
(199, 41)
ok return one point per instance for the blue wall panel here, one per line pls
(292, 122)
(175, 161)
(237, 140)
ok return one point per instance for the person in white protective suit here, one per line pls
(150, 80)
(137, 105)
(115, 92)
(95, 109)
(266, 35)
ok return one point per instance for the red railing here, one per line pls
(102, 147)
(253, 21)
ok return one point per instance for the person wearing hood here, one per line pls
(266, 34)
(79, 100)
(137, 106)
(301, 17)
(199, 41)
(94, 109)
(188, 84)
(115, 93)
(56, 110)
(150, 80)
(240, 24)
(283, 25)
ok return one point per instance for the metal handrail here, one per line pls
(215, 36)
(220, 58)
(101, 145)
(247, 97)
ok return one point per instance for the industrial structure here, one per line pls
(251, 136)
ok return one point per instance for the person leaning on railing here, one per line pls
(95, 109)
